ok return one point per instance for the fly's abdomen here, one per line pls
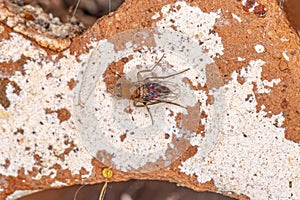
(160, 90)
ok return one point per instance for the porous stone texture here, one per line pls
(238, 129)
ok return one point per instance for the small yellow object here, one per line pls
(107, 173)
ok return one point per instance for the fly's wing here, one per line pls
(161, 90)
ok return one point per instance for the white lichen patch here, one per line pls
(30, 137)
(240, 59)
(195, 24)
(252, 156)
(286, 57)
(156, 15)
(58, 184)
(103, 119)
(20, 193)
(237, 18)
(252, 73)
(252, 3)
(10, 49)
(284, 39)
(259, 48)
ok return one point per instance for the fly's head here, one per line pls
(124, 88)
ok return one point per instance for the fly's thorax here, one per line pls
(138, 93)
(144, 92)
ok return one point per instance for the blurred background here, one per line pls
(292, 9)
(90, 10)
(130, 190)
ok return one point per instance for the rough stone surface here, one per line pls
(243, 81)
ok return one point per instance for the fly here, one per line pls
(150, 90)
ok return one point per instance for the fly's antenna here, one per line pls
(109, 6)
(75, 10)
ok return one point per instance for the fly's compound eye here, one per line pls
(117, 90)
(118, 85)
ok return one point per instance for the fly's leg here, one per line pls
(75, 10)
(139, 74)
(170, 102)
(165, 77)
(149, 112)
(145, 104)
